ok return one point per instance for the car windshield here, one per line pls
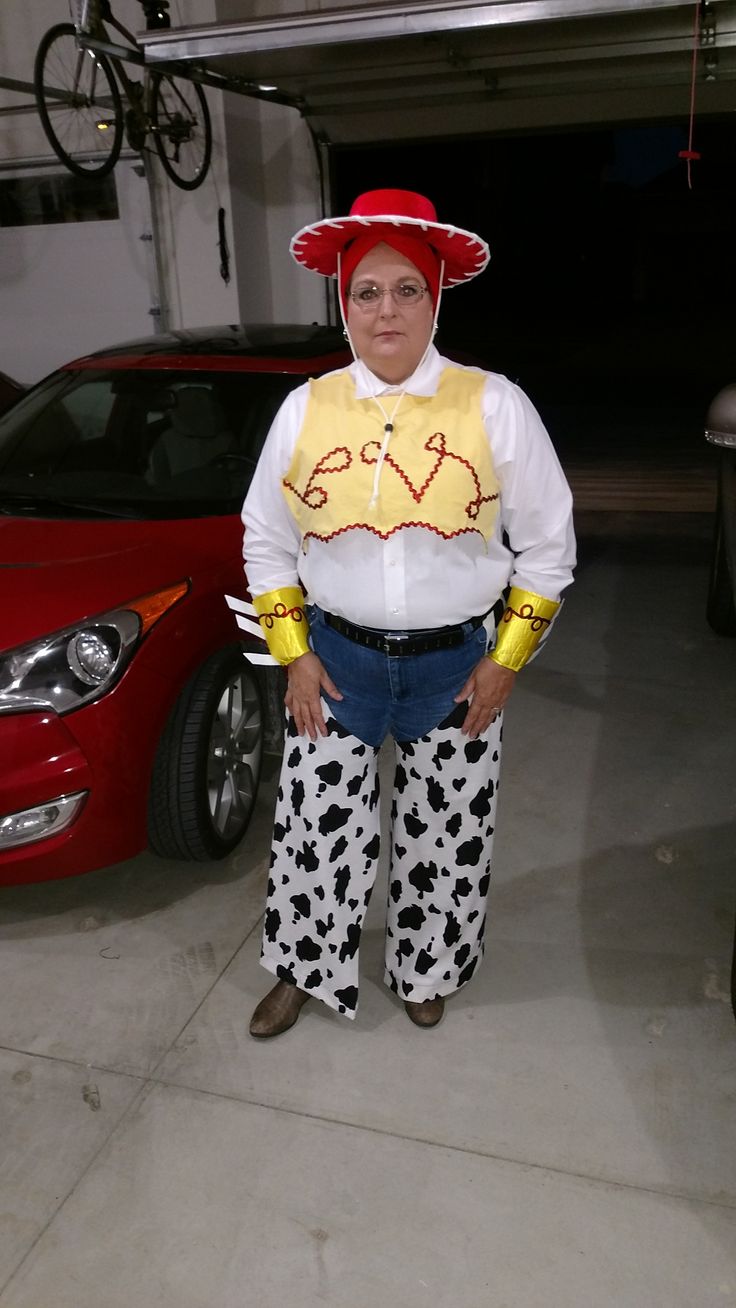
(139, 443)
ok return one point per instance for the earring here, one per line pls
(345, 332)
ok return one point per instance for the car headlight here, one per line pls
(72, 667)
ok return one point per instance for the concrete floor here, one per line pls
(565, 1139)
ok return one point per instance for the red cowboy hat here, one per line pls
(317, 246)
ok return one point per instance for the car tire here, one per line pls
(720, 609)
(208, 762)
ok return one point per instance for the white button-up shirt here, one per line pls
(415, 578)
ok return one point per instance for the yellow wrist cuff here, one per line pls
(526, 619)
(283, 623)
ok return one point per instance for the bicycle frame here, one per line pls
(93, 35)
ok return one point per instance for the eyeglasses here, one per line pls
(406, 294)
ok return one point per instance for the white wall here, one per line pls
(69, 288)
(21, 27)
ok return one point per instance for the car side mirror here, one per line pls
(720, 421)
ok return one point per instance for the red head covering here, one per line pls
(416, 251)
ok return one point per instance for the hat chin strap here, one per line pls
(388, 419)
(343, 315)
(436, 314)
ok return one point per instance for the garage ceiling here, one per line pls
(386, 71)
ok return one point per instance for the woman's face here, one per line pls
(390, 338)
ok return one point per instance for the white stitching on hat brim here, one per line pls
(322, 228)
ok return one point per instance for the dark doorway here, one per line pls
(611, 283)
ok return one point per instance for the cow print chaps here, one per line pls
(324, 860)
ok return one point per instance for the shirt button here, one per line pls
(394, 610)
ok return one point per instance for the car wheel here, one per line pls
(720, 610)
(208, 762)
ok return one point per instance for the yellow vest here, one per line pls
(437, 473)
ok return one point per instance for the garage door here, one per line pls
(371, 72)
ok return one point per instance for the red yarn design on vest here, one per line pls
(384, 535)
(472, 508)
(435, 444)
(315, 497)
(417, 494)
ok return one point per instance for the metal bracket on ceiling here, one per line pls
(707, 23)
(707, 40)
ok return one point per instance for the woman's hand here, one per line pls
(488, 688)
(307, 676)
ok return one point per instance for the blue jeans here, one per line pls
(405, 696)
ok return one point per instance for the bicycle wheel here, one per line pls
(182, 129)
(79, 103)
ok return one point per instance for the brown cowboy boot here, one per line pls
(427, 1014)
(277, 1011)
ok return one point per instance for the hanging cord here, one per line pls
(387, 433)
(690, 154)
(387, 418)
(222, 246)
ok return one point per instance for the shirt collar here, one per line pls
(423, 381)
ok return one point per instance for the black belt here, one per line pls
(424, 641)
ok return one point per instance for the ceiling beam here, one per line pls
(417, 65)
(376, 22)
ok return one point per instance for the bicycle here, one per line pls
(81, 108)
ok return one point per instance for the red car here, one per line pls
(128, 714)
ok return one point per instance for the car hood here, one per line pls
(54, 573)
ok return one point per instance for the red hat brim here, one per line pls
(317, 246)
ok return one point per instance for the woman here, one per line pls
(403, 495)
